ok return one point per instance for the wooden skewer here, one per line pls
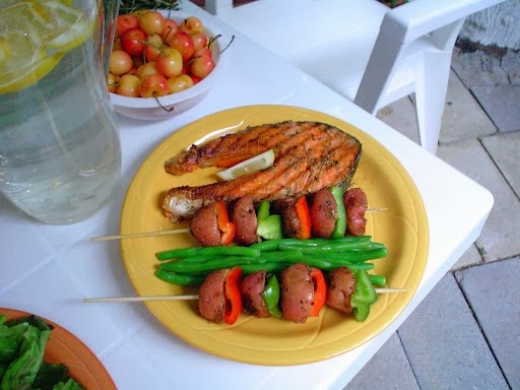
(168, 232)
(142, 299)
(195, 297)
(371, 210)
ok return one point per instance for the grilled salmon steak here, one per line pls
(309, 156)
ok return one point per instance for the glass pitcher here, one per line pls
(60, 154)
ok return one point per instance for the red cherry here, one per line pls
(199, 40)
(202, 66)
(170, 29)
(184, 44)
(151, 22)
(153, 86)
(125, 22)
(170, 63)
(133, 41)
(195, 78)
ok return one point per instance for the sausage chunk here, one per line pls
(204, 226)
(341, 286)
(212, 297)
(244, 218)
(297, 293)
(355, 201)
(251, 289)
(324, 211)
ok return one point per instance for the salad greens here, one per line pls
(22, 346)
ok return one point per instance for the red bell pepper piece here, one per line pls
(304, 216)
(320, 291)
(233, 296)
(226, 227)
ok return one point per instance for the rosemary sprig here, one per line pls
(128, 6)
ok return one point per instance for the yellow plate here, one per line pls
(403, 228)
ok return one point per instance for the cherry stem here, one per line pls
(213, 39)
(229, 43)
(160, 104)
(169, 31)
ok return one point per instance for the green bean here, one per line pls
(317, 262)
(270, 245)
(278, 267)
(208, 251)
(329, 265)
(268, 267)
(354, 256)
(192, 259)
(187, 265)
(217, 263)
(333, 247)
(282, 255)
(329, 261)
(204, 259)
(182, 280)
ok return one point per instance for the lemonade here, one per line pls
(60, 156)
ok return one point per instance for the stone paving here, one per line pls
(466, 333)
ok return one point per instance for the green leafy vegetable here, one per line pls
(69, 385)
(10, 341)
(31, 321)
(50, 375)
(21, 372)
(22, 347)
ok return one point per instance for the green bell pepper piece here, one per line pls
(364, 295)
(269, 226)
(341, 220)
(263, 211)
(271, 295)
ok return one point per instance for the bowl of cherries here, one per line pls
(163, 62)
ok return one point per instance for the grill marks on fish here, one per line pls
(233, 148)
(223, 152)
(309, 156)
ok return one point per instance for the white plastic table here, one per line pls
(48, 270)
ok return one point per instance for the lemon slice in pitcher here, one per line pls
(21, 68)
(257, 163)
(28, 30)
(71, 26)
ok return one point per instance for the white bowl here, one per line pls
(149, 109)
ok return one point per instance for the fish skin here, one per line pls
(309, 156)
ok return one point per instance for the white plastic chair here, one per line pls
(369, 53)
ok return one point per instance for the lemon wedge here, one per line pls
(35, 35)
(22, 68)
(71, 27)
(253, 164)
(24, 77)
(6, 50)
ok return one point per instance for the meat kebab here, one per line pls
(301, 293)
